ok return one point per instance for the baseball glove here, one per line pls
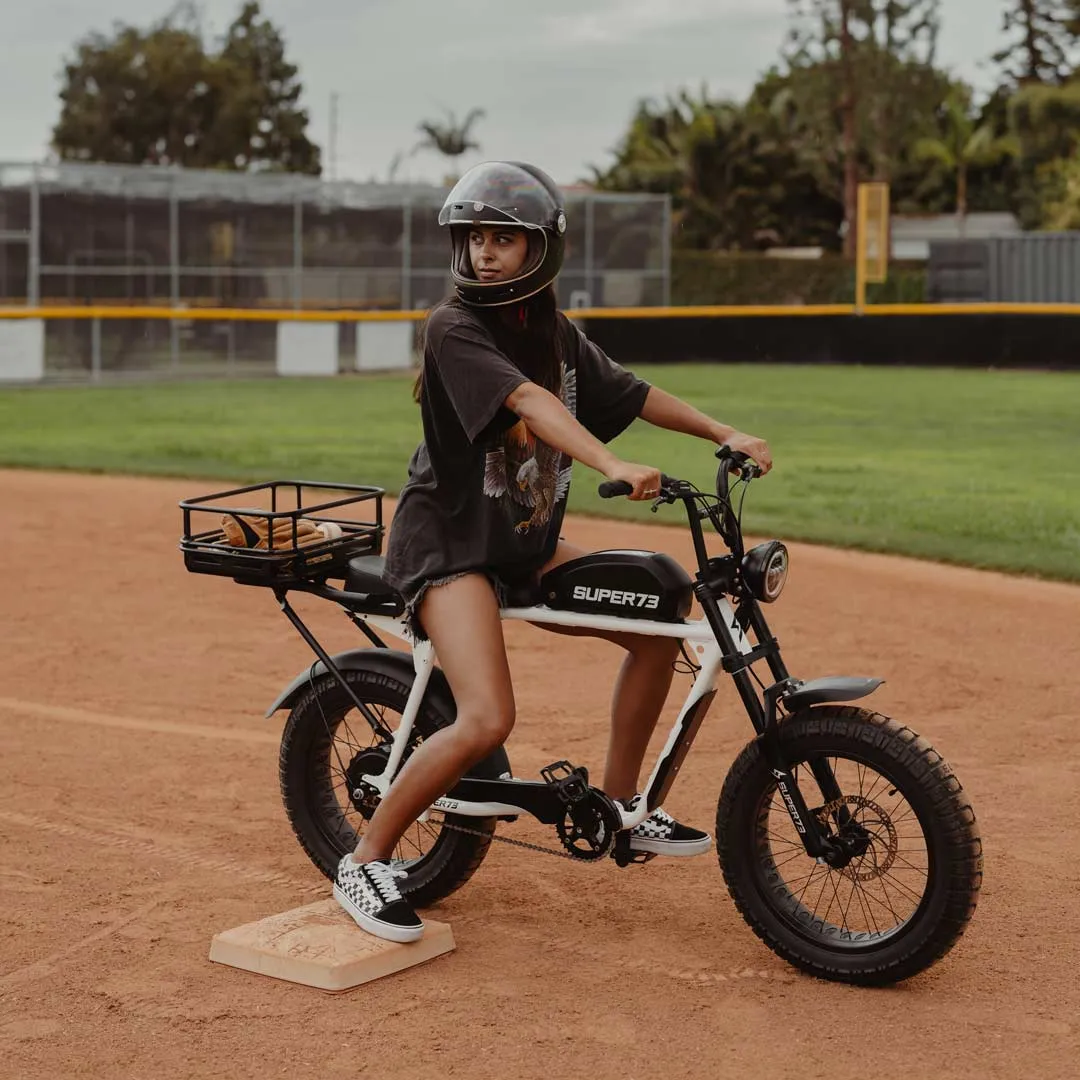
(246, 531)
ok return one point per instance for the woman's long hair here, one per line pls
(527, 333)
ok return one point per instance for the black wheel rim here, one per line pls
(878, 895)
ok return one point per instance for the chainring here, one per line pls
(589, 826)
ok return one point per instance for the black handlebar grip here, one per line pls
(609, 489)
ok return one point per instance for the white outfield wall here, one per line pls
(298, 344)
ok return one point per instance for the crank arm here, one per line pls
(472, 797)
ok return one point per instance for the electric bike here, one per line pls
(845, 840)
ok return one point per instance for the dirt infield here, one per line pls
(139, 815)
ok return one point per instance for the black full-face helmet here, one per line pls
(514, 194)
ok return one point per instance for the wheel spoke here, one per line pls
(790, 858)
(881, 892)
(867, 911)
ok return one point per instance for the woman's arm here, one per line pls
(667, 411)
(547, 417)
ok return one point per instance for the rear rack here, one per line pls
(287, 508)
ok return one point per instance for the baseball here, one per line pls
(330, 530)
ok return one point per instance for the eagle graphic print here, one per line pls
(525, 475)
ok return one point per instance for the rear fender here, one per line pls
(397, 665)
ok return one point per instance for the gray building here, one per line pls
(912, 236)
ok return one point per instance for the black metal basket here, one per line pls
(207, 550)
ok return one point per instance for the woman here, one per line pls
(511, 393)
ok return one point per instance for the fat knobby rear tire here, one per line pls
(307, 786)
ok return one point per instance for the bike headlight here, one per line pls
(765, 570)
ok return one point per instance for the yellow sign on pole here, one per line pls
(872, 239)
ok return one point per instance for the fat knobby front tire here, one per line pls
(906, 896)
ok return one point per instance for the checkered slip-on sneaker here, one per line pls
(369, 893)
(661, 834)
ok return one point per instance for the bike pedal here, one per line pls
(571, 782)
(624, 855)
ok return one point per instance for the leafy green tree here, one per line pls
(1043, 48)
(734, 177)
(1061, 195)
(157, 96)
(259, 119)
(861, 70)
(1046, 121)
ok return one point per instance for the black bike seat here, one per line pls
(364, 575)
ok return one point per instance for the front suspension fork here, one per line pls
(817, 844)
(763, 715)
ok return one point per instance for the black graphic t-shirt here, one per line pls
(484, 493)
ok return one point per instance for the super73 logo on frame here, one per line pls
(649, 601)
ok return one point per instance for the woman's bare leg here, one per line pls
(640, 692)
(462, 620)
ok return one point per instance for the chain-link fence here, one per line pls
(92, 234)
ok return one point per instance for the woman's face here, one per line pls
(497, 251)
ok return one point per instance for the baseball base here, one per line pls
(319, 945)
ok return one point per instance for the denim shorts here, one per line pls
(412, 603)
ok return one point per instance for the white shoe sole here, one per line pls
(387, 931)
(677, 849)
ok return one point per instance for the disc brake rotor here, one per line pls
(880, 852)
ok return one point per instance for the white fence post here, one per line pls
(22, 350)
(385, 345)
(307, 348)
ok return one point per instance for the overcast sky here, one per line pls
(558, 78)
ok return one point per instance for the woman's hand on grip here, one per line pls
(644, 479)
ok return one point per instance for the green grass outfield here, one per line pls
(973, 467)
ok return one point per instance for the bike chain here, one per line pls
(514, 843)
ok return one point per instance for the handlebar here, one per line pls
(723, 516)
(610, 489)
(730, 461)
(733, 461)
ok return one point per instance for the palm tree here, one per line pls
(450, 139)
(964, 145)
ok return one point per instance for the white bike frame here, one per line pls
(696, 633)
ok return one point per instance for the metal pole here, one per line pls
(95, 349)
(406, 256)
(860, 249)
(589, 249)
(665, 251)
(298, 249)
(174, 271)
(33, 255)
(332, 141)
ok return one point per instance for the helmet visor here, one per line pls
(498, 193)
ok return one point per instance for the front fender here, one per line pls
(398, 665)
(831, 688)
